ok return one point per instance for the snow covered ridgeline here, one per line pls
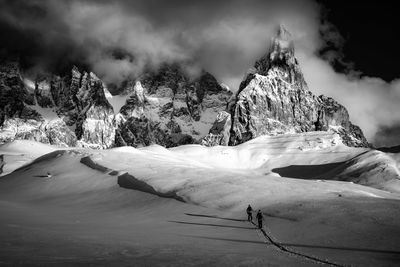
(20, 152)
(229, 177)
(225, 176)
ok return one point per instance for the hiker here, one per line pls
(1, 163)
(259, 219)
(249, 211)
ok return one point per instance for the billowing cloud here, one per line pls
(224, 37)
(372, 103)
(118, 39)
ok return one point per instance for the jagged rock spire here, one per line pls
(280, 57)
(282, 46)
(275, 100)
(283, 33)
(281, 52)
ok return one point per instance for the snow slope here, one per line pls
(80, 216)
(21, 152)
(229, 177)
(184, 206)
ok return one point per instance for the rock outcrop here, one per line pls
(64, 111)
(274, 99)
(220, 131)
(167, 108)
(164, 107)
(14, 98)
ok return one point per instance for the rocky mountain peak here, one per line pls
(66, 111)
(279, 61)
(282, 46)
(138, 91)
(283, 33)
(75, 71)
(275, 99)
(167, 107)
(164, 106)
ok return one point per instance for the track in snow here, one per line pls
(290, 251)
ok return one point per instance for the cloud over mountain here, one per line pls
(117, 39)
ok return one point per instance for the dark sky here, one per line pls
(371, 45)
(372, 35)
(347, 49)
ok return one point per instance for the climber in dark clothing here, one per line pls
(249, 211)
(259, 217)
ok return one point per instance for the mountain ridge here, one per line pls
(274, 98)
(165, 107)
(169, 108)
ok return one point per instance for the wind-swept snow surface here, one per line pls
(21, 152)
(231, 176)
(185, 206)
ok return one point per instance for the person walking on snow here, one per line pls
(249, 211)
(259, 217)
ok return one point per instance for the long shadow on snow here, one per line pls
(130, 182)
(307, 171)
(320, 171)
(240, 220)
(91, 164)
(215, 225)
(214, 216)
(230, 239)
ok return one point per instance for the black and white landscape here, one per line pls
(136, 133)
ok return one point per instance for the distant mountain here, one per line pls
(64, 111)
(163, 107)
(274, 99)
(167, 107)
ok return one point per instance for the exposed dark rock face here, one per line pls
(43, 92)
(169, 109)
(92, 113)
(138, 132)
(274, 99)
(66, 111)
(13, 95)
(332, 115)
(219, 132)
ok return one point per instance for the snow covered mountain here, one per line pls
(169, 108)
(274, 99)
(98, 207)
(161, 107)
